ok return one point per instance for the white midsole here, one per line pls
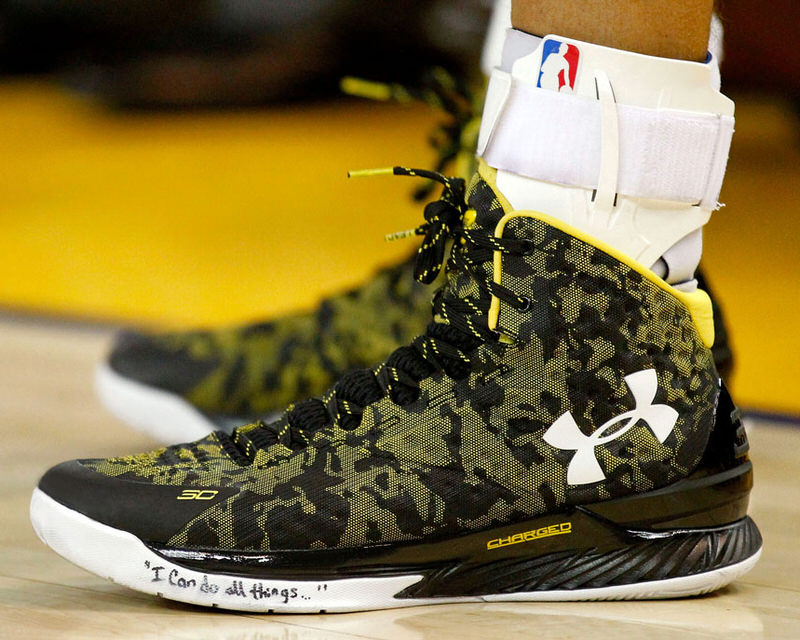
(126, 560)
(162, 415)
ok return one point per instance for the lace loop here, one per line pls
(401, 386)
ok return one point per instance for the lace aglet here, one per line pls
(368, 173)
(400, 235)
(380, 91)
(365, 89)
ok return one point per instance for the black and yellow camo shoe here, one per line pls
(559, 432)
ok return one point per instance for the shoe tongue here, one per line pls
(483, 199)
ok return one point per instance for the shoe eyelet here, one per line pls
(527, 247)
(526, 305)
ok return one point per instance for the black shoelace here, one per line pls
(441, 90)
(460, 326)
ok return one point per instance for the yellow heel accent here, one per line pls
(698, 303)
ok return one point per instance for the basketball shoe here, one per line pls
(181, 385)
(559, 432)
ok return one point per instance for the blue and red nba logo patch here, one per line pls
(559, 69)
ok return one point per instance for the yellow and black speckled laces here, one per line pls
(460, 323)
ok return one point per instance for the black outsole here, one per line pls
(642, 559)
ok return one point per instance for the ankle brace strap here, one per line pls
(664, 154)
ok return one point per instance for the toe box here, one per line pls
(151, 512)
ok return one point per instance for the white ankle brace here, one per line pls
(629, 148)
(504, 46)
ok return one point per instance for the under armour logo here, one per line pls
(564, 433)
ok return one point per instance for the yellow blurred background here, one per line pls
(209, 218)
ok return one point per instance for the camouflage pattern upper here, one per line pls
(468, 453)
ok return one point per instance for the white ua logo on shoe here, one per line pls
(564, 433)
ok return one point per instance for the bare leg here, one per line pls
(666, 28)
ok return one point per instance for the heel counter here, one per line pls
(716, 493)
(728, 446)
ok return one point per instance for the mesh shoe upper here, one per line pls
(469, 452)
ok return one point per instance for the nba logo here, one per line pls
(559, 68)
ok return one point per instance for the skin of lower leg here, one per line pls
(665, 28)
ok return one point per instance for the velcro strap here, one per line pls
(664, 154)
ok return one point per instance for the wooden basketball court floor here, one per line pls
(48, 413)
